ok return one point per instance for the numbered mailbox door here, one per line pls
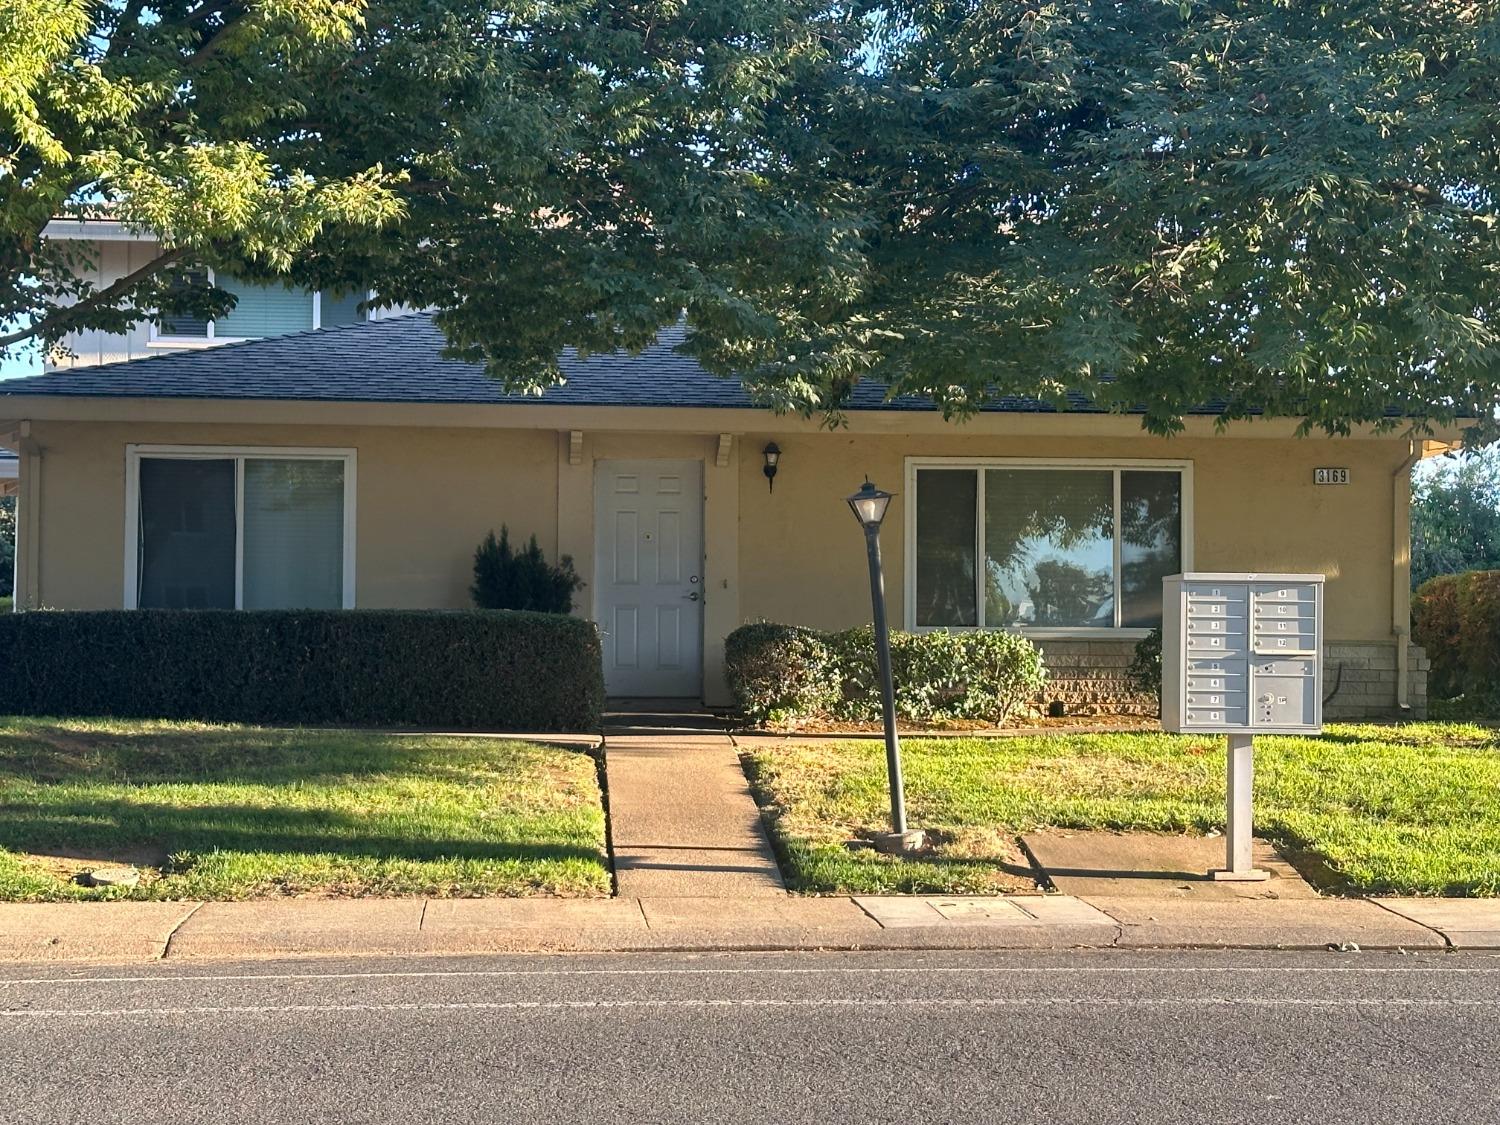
(1284, 618)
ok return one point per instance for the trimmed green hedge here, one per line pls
(1456, 618)
(784, 673)
(470, 670)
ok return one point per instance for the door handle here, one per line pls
(691, 597)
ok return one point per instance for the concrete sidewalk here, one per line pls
(148, 931)
(682, 821)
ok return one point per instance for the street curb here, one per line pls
(135, 932)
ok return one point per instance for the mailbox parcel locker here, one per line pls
(1242, 653)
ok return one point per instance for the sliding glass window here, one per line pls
(241, 531)
(1044, 547)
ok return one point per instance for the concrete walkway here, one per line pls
(682, 821)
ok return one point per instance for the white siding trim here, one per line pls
(1117, 549)
(351, 470)
(239, 533)
(155, 339)
(132, 498)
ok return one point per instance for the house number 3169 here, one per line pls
(1330, 476)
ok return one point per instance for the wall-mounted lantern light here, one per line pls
(772, 454)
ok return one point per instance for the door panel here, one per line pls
(627, 642)
(648, 571)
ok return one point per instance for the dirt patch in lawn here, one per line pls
(70, 865)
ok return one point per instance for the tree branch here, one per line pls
(205, 10)
(210, 46)
(1424, 195)
(49, 325)
(429, 187)
(130, 19)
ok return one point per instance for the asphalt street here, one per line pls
(1009, 1038)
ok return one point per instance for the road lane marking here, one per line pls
(872, 970)
(727, 1002)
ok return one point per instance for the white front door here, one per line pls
(648, 576)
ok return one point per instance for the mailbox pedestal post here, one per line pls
(1239, 855)
(1242, 654)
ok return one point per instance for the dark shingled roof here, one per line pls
(400, 360)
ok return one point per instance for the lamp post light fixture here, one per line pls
(772, 454)
(869, 505)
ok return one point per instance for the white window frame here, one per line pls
(317, 295)
(158, 340)
(238, 454)
(979, 464)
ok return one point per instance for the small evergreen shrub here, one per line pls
(509, 579)
(786, 674)
(470, 670)
(1145, 665)
(1456, 618)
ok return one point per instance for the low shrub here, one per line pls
(779, 673)
(783, 673)
(521, 579)
(1456, 618)
(462, 670)
(1144, 670)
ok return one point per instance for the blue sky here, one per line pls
(20, 363)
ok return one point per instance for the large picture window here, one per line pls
(1043, 546)
(239, 529)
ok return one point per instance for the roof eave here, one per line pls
(635, 419)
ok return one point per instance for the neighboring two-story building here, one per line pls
(261, 311)
(302, 453)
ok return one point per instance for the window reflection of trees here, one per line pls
(1048, 546)
(292, 485)
(946, 502)
(1150, 543)
(1041, 526)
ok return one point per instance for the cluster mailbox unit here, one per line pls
(1242, 654)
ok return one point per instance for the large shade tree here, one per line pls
(545, 173)
(1455, 515)
(1287, 207)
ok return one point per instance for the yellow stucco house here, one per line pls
(354, 466)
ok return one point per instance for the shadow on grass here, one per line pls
(68, 828)
(1393, 735)
(54, 754)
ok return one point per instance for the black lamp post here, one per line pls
(869, 505)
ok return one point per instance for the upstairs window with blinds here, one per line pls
(261, 311)
(185, 325)
(241, 530)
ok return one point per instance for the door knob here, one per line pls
(691, 597)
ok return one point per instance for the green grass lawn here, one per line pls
(225, 812)
(1411, 809)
